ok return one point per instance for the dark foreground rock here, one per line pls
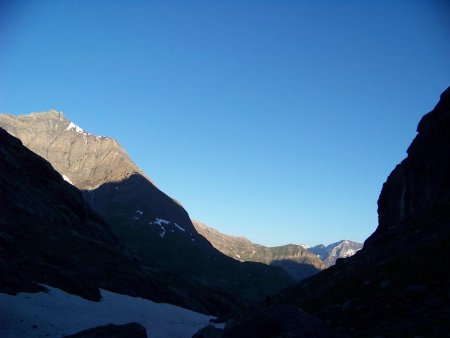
(398, 285)
(131, 330)
(275, 321)
(209, 332)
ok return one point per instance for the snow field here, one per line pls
(57, 313)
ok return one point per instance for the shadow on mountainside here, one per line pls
(296, 270)
(49, 235)
(157, 228)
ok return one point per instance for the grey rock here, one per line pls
(331, 253)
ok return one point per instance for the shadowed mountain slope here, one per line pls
(398, 285)
(146, 220)
(295, 259)
(49, 235)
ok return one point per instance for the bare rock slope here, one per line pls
(295, 259)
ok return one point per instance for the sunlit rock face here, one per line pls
(294, 258)
(330, 253)
(147, 221)
(85, 159)
(398, 285)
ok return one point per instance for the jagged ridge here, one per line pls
(295, 259)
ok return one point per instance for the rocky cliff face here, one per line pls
(330, 253)
(398, 285)
(295, 259)
(147, 221)
(49, 235)
(86, 160)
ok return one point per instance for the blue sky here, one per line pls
(274, 120)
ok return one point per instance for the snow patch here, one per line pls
(73, 126)
(348, 253)
(67, 179)
(163, 232)
(57, 313)
(161, 221)
(179, 228)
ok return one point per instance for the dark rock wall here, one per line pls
(423, 177)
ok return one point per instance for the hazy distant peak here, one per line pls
(330, 253)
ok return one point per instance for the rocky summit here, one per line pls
(329, 254)
(398, 285)
(295, 259)
(152, 225)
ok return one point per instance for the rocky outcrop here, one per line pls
(147, 221)
(131, 330)
(50, 235)
(398, 285)
(85, 160)
(295, 259)
(330, 253)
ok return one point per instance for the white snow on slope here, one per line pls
(57, 313)
(348, 253)
(73, 126)
(67, 179)
(179, 228)
(163, 232)
(161, 221)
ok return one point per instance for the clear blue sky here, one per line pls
(274, 120)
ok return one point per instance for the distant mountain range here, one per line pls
(152, 225)
(297, 259)
(330, 253)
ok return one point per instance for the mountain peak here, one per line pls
(52, 113)
(86, 159)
